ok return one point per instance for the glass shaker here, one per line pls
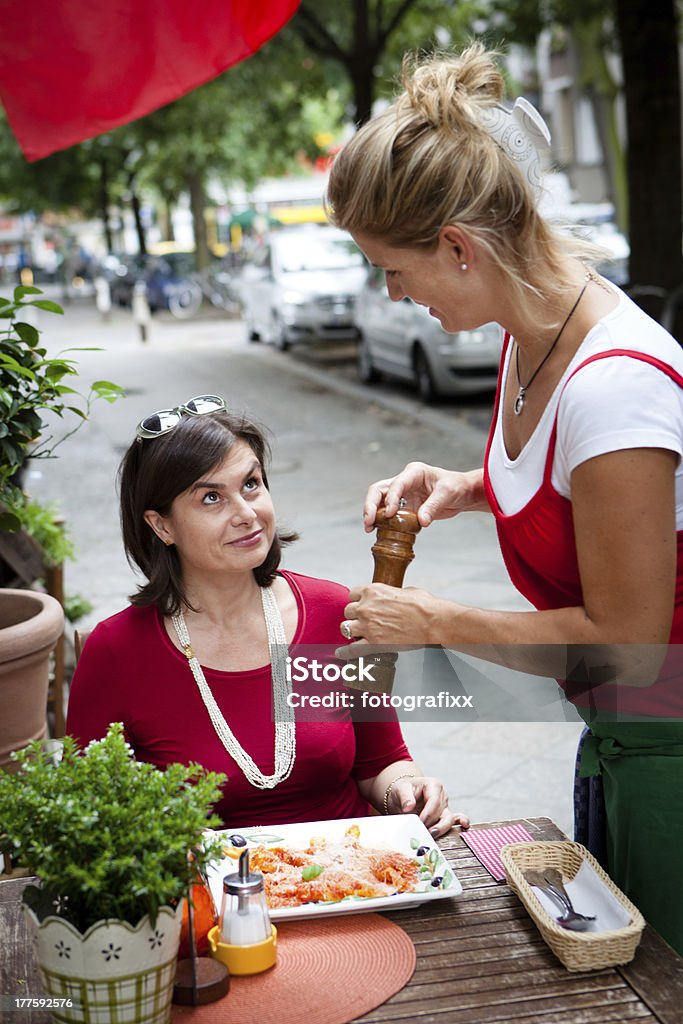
(244, 911)
(245, 939)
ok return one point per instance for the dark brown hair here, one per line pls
(155, 471)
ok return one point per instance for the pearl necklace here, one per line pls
(285, 736)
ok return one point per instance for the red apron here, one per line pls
(539, 550)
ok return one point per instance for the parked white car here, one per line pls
(302, 286)
(402, 340)
(593, 221)
(604, 232)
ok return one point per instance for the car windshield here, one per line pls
(180, 263)
(311, 253)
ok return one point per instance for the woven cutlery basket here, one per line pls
(578, 951)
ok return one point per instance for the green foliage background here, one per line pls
(33, 386)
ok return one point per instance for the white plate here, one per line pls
(402, 832)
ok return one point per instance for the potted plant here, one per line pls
(116, 844)
(33, 389)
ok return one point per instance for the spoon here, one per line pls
(551, 883)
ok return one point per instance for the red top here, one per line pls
(539, 549)
(130, 672)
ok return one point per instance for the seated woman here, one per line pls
(195, 667)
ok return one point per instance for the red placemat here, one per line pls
(328, 971)
(485, 844)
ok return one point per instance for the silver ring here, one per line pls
(345, 629)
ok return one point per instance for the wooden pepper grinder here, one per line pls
(392, 553)
(393, 549)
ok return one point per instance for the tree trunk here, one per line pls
(195, 186)
(167, 217)
(608, 133)
(649, 47)
(104, 205)
(139, 226)
(362, 74)
(362, 62)
(602, 91)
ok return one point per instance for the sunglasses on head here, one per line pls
(161, 422)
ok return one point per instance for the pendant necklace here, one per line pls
(283, 713)
(523, 388)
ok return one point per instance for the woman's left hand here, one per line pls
(426, 796)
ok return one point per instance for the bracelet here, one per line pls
(406, 775)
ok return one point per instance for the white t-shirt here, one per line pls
(609, 405)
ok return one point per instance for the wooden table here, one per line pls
(480, 959)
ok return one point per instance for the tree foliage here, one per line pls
(33, 387)
(646, 178)
(256, 120)
(366, 38)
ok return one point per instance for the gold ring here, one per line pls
(345, 629)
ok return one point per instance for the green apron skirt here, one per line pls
(641, 766)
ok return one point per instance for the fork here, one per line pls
(551, 883)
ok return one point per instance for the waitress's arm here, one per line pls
(624, 522)
(430, 491)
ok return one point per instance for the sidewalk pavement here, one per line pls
(331, 437)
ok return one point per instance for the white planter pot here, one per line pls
(114, 972)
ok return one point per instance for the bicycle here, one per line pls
(213, 284)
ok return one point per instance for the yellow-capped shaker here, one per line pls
(244, 939)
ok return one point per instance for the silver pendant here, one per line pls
(519, 402)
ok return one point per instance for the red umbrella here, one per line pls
(72, 69)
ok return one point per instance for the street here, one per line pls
(331, 437)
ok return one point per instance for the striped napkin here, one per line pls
(485, 844)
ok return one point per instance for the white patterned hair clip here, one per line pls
(519, 132)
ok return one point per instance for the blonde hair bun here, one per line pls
(448, 152)
(448, 90)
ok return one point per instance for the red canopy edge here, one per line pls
(72, 70)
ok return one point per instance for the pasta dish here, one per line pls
(326, 871)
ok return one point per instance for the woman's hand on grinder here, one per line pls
(431, 492)
(391, 616)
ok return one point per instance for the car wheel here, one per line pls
(185, 300)
(252, 333)
(280, 339)
(424, 381)
(367, 371)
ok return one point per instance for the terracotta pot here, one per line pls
(30, 625)
(114, 972)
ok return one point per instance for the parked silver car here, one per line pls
(401, 339)
(302, 285)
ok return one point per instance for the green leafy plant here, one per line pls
(76, 606)
(42, 522)
(108, 836)
(32, 386)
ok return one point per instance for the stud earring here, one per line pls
(463, 266)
